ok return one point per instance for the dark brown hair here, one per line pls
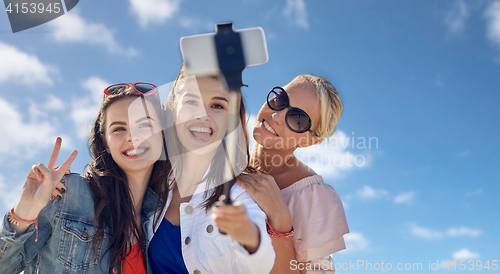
(113, 204)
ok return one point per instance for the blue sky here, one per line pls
(420, 79)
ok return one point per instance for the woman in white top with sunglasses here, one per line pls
(300, 207)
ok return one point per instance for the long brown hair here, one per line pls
(113, 204)
(219, 161)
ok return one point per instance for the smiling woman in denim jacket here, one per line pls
(188, 239)
(97, 226)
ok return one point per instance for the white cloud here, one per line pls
(345, 205)
(429, 234)
(465, 254)
(73, 28)
(21, 139)
(20, 67)
(355, 241)
(40, 110)
(53, 103)
(367, 193)
(10, 193)
(84, 109)
(425, 233)
(492, 14)
(196, 23)
(250, 125)
(296, 13)
(463, 231)
(404, 198)
(331, 158)
(153, 11)
(455, 18)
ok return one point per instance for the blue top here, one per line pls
(165, 250)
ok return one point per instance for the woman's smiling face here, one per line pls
(201, 115)
(270, 129)
(133, 134)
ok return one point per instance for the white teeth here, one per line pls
(201, 129)
(268, 127)
(134, 152)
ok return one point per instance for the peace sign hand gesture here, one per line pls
(40, 183)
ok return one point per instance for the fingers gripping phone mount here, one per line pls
(226, 53)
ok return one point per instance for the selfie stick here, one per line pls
(231, 64)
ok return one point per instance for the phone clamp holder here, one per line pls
(230, 55)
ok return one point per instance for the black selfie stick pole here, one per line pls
(231, 64)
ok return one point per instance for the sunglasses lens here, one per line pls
(279, 99)
(145, 89)
(298, 120)
(116, 89)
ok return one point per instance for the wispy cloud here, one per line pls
(53, 103)
(492, 15)
(196, 23)
(332, 158)
(405, 198)
(465, 254)
(296, 13)
(463, 153)
(475, 192)
(72, 28)
(355, 241)
(42, 109)
(367, 193)
(153, 11)
(463, 231)
(20, 67)
(456, 17)
(23, 139)
(10, 193)
(85, 108)
(429, 234)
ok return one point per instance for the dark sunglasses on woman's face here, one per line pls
(296, 119)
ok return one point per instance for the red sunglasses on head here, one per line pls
(145, 89)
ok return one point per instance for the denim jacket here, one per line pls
(65, 233)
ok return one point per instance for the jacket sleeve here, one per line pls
(19, 251)
(262, 260)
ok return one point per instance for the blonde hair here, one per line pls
(329, 100)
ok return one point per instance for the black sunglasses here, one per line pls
(296, 119)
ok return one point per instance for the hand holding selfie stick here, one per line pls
(227, 53)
